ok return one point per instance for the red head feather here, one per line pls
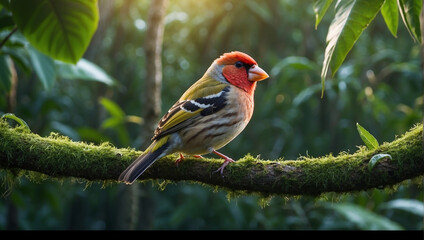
(233, 57)
(238, 76)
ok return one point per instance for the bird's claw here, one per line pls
(226, 162)
(179, 159)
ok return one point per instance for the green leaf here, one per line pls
(352, 17)
(410, 11)
(376, 158)
(61, 29)
(295, 62)
(390, 13)
(368, 139)
(408, 205)
(112, 108)
(19, 55)
(306, 94)
(17, 119)
(5, 73)
(43, 67)
(364, 219)
(320, 8)
(84, 70)
(112, 122)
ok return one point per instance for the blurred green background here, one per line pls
(379, 86)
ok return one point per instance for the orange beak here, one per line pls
(257, 74)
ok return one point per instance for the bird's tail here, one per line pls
(154, 152)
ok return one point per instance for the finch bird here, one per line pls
(211, 113)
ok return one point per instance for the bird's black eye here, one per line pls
(239, 64)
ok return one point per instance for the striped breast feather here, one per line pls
(185, 112)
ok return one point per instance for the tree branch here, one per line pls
(57, 156)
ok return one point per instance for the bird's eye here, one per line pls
(239, 64)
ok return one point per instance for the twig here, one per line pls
(8, 36)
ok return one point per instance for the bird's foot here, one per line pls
(179, 159)
(227, 160)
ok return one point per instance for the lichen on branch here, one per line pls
(57, 156)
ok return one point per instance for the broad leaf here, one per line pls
(408, 205)
(113, 108)
(5, 73)
(61, 29)
(368, 139)
(352, 17)
(84, 70)
(19, 55)
(376, 158)
(364, 219)
(410, 11)
(17, 119)
(390, 13)
(15, 47)
(306, 94)
(43, 67)
(295, 62)
(112, 122)
(320, 8)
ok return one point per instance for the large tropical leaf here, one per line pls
(294, 62)
(84, 70)
(320, 8)
(408, 205)
(364, 219)
(113, 108)
(410, 11)
(43, 66)
(61, 29)
(352, 17)
(390, 13)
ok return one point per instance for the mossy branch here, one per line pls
(57, 156)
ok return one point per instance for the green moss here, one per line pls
(56, 157)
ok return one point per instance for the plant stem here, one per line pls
(8, 36)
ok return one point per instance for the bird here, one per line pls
(209, 114)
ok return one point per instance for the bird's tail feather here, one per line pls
(155, 151)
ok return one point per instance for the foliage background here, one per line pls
(379, 86)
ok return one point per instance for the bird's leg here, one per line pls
(227, 160)
(182, 158)
(179, 159)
